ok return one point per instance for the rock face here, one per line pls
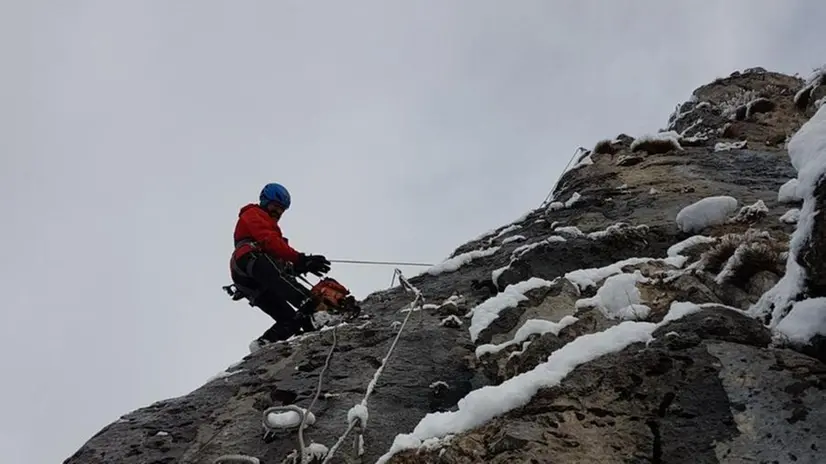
(606, 333)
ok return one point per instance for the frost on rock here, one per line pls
(709, 211)
(815, 80)
(620, 229)
(513, 238)
(451, 321)
(481, 405)
(506, 230)
(806, 319)
(317, 450)
(573, 200)
(530, 327)
(530, 246)
(677, 249)
(452, 264)
(791, 216)
(788, 192)
(569, 230)
(726, 146)
(555, 206)
(497, 273)
(752, 212)
(619, 298)
(488, 311)
(661, 142)
(520, 251)
(807, 150)
(585, 278)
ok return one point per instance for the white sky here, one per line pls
(132, 132)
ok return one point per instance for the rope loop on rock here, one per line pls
(236, 458)
(357, 421)
(302, 447)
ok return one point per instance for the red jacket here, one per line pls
(255, 223)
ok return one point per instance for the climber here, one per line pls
(263, 267)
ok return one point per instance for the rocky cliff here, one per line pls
(661, 306)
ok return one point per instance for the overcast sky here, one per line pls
(132, 132)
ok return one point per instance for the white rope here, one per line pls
(304, 415)
(371, 386)
(236, 458)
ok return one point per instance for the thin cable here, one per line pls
(387, 263)
(565, 170)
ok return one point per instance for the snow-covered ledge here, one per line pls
(805, 278)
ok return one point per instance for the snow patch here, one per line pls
(585, 278)
(530, 246)
(726, 146)
(677, 249)
(317, 450)
(513, 238)
(807, 150)
(555, 206)
(806, 319)
(619, 298)
(791, 216)
(481, 405)
(669, 136)
(506, 230)
(530, 327)
(788, 192)
(709, 211)
(751, 212)
(488, 311)
(569, 230)
(576, 197)
(451, 321)
(452, 264)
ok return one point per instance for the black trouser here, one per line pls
(278, 292)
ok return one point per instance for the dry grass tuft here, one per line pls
(604, 147)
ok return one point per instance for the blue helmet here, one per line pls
(275, 192)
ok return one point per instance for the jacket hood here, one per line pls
(250, 206)
(247, 207)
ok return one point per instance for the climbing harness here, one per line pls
(355, 419)
(328, 293)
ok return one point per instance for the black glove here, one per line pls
(317, 264)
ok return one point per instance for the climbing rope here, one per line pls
(356, 421)
(236, 458)
(302, 413)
